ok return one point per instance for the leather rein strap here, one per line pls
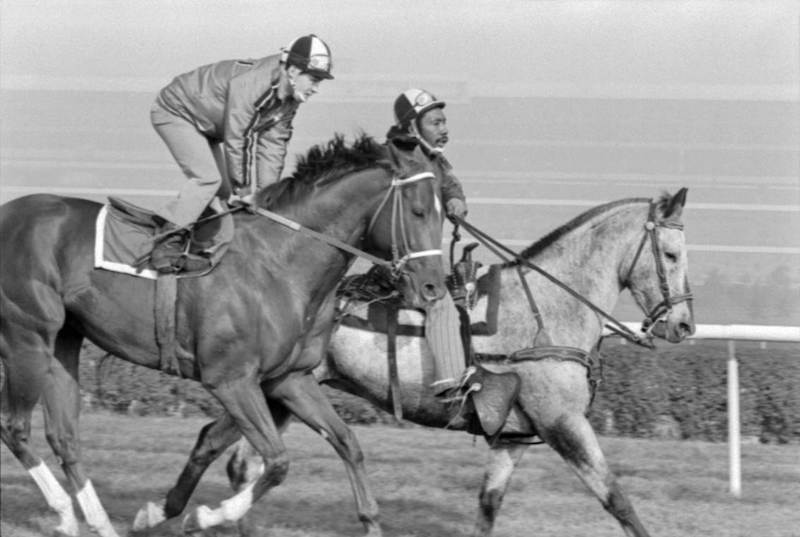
(397, 262)
(616, 326)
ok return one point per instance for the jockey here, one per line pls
(242, 110)
(420, 122)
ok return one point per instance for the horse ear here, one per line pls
(675, 206)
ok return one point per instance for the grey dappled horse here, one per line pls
(598, 254)
(253, 328)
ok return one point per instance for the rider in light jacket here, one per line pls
(242, 110)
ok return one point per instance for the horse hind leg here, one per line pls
(25, 371)
(574, 439)
(502, 461)
(61, 404)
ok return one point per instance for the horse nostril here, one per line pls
(686, 328)
(430, 291)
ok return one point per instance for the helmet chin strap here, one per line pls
(423, 142)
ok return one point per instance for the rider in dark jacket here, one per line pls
(422, 125)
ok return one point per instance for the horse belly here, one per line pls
(359, 358)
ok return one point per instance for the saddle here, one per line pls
(484, 398)
(127, 235)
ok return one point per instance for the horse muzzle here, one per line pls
(421, 292)
(675, 326)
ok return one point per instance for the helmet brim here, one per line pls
(319, 74)
(428, 107)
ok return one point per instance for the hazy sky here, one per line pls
(499, 46)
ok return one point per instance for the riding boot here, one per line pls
(167, 254)
(453, 394)
(171, 255)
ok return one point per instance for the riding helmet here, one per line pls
(311, 55)
(412, 103)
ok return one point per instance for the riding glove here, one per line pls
(456, 207)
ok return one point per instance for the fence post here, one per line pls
(734, 439)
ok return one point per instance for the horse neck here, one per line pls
(590, 260)
(340, 209)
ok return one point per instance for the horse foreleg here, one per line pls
(303, 396)
(245, 403)
(502, 461)
(212, 441)
(572, 436)
(61, 404)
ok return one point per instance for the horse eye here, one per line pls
(672, 258)
(417, 211)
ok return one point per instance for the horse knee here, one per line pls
(65, 447)
(208, 447)
(275, 470)
(243, 469)
(16, 433)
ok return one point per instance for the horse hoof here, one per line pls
(149, 516)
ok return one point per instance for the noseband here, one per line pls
(398, 262)
(664, 307)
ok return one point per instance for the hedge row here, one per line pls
(676, 391)
(681, 391)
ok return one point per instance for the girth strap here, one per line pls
(166, 290)
(564, 354)
(391, 352)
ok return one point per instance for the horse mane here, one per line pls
(537, 247)
(325, 163)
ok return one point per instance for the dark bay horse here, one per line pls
(598, 254)
(255, 327)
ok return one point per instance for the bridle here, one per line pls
(663, 308)
(398, 224)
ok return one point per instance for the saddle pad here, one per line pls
(371, 316)
(119, 243)
(121, 240)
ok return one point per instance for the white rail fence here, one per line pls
(733, 333)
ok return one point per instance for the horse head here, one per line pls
(396, 219)
(406, 227)
(657, 274)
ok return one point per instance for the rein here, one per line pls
(496, 247)
(397, 262)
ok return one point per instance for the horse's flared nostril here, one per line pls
(431, 292)
(686, 328)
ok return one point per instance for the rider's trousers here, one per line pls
(199, 160)
(442, 332)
